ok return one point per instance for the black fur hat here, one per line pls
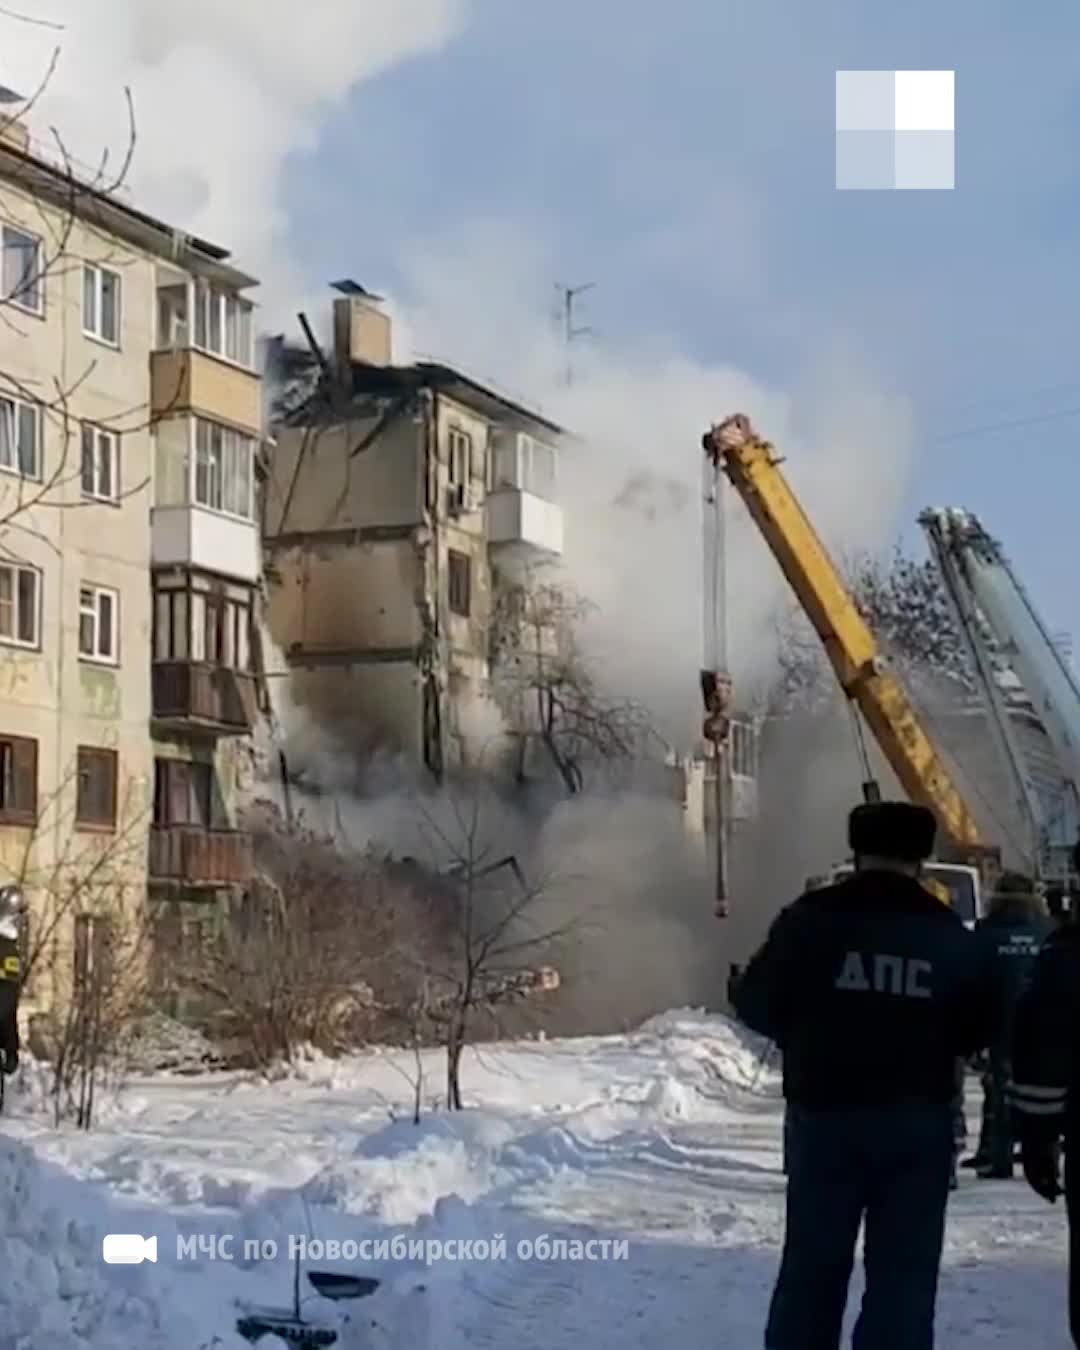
(892, 830)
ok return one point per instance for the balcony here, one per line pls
(191, 857)
(183, 379)
(194, 537)
(189, 695)
(522, 522)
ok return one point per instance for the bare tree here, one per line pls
(59, 214)
(83, 871)
(543, 682)
(107, 993)
(497, 928)
(903, 600)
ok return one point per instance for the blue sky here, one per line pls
(681, 156)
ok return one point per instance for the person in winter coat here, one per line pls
(1045, 1087)
(1057, 905)
(1015, 927)
(11, 904)
(873, 990)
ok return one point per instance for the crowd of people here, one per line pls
(878, 996)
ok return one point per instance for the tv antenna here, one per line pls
(571, 332)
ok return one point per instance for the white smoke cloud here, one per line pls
(633, 489)
(223, 95)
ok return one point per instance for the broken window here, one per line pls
(460, 457)
(459, 583)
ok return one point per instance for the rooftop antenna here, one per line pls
(567, 297)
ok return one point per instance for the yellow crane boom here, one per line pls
(752, 467)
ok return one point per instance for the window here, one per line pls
(20, 437)
(222, 638)
(223, 466)
(173, 330)
(101, 303)
(98, 612)
(742, 750)
(100, 463)
(18, 780)
(23, 280)
(459, 583)
(219, 632)
(20, 605)
(95, 793)
(171, 642)
(223, 324)
(183, 792)
(538, 468)
(460, 455)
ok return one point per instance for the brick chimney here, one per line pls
(361, 327)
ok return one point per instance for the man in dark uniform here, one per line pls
(1045, 1090)
(1056, 905)
(1015, 927)
(873, 989)
(11, 904)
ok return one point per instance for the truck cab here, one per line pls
(961, 884)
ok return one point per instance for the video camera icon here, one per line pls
(128, 1249)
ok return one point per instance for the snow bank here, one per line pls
(668, 1138)
(57, 1294)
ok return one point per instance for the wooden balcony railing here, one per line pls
(189, 855)
(189, 693)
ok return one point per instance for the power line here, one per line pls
(1059, 415)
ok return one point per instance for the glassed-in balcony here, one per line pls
(522, 514)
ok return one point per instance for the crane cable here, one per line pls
(861, 748)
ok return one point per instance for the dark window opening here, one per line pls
(459, 583)
(95, 801)
(18, 780)
(183, 793)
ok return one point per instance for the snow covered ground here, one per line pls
(668, 1139)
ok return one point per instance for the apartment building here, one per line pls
(130, 415)
(396, 496)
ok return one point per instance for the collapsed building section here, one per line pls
(396, 495)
